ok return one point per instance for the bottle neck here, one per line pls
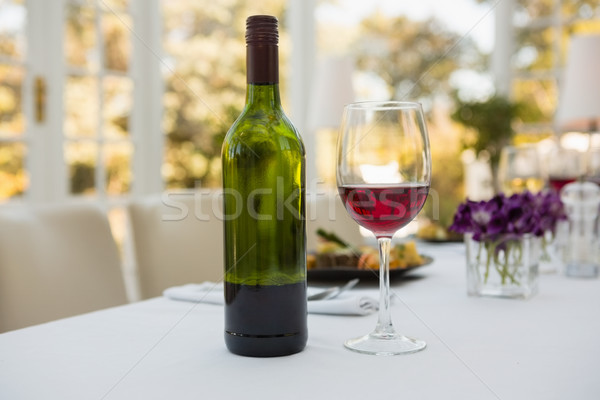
(262, 64)
(262, 73)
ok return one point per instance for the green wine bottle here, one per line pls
(263, 160)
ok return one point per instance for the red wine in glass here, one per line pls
(558, 182)
(383, 209)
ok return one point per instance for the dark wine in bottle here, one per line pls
(263, 161)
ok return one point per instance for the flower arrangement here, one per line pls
(509, 217)
(505, 234)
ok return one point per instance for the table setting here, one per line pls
(407, 318)
(478, 347)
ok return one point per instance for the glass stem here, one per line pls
(384, 322)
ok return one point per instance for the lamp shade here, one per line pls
(332, 90)
(579, 95)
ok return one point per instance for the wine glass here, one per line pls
(519, 169)
(564, 166)
(383, 176)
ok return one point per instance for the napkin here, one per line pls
(212, 293)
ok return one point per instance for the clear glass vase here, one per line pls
(504, 267)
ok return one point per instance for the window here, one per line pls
(80, 124)
(98, 97)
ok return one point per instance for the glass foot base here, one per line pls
(384, 344)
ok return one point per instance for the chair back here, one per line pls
(56, 261)
(178, 239)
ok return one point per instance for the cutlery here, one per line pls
(333, 292)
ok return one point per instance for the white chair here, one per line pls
(56, 261)
(326, 211)
(178, 239)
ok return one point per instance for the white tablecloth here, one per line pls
(546, 348)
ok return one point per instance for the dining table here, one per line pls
(545, 347)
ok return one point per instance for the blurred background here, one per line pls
(110, 100)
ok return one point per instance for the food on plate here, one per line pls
(332, 251)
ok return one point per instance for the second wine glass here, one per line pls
(520, 169)
(383, 176)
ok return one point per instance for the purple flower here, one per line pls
(511, 216)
